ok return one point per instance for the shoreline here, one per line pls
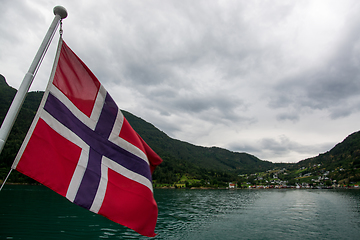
(211, 188)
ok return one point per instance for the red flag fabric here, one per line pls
(81, 146)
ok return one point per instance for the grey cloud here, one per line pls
(275, 147)
(341, 112)
(13, 12)
(340, 79)
(294, 117)
(278, 147)
(215, 108)
(345, 109)
(221, 64)
(145, 74)
(280, 99)
(329, 87)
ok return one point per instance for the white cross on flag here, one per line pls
(81, 146)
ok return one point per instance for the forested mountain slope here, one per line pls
(179, 156)
(182, 158)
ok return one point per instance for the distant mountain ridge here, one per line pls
(214, 158)
(206, 157)
(343, 155)
(166, 147)
(179, 157)
(22, 122)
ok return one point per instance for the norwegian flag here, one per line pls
(81, 146)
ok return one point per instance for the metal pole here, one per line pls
(60, 13)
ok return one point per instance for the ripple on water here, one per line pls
(190, 214)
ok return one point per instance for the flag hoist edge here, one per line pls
(81, 146)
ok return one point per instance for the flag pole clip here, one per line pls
(61, 29)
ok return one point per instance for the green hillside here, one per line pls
(211, 158)
(342, 161)
(343, 155)
(22, 122)
(179, 157)
(195, 165)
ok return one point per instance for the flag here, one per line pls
(81, 146)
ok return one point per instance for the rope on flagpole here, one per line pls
(52, 36)
(2, 185)
(60, 13)
(61, 29)
(45, 51)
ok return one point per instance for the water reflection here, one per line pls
(35, 212)
(258, 214)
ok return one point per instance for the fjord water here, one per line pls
(35, 212)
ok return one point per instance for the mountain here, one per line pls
(206, 157)
(180, 158)
(22, 122)
(344, 155)
(7, 93)
(339, 166)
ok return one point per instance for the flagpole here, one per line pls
(60, 13)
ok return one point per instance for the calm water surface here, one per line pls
(35, 212)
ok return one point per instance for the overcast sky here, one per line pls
(276, 79)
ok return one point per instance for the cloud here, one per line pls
(235, 74)
(288, 116)
(330, 85)
(278, 147)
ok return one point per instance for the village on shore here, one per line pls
(314, 177)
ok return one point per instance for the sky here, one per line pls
(276, 79)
